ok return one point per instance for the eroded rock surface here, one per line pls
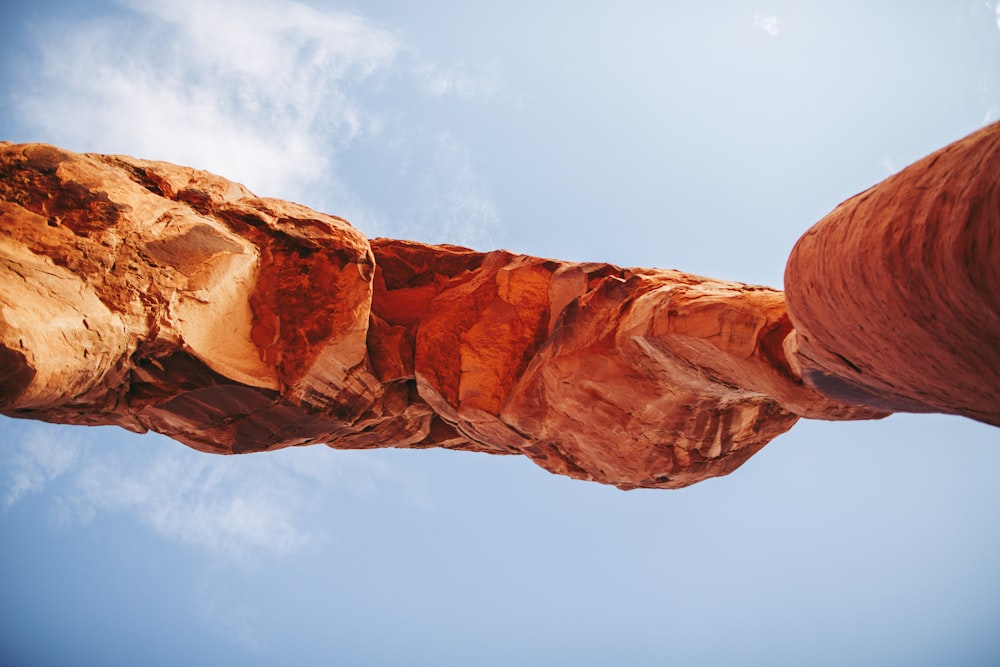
(163, 298)
(895, 294)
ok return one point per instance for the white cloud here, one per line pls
(997, 8)
(268, 94)
(233, 510)
(992, 114)
(258, 92)
(34, 456)
(287, 45)
(239, 509)
(768, 24)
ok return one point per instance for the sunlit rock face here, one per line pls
(634, 377)
(163, 298)
(895, 295)
(158, 297)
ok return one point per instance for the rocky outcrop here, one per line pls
(633, 377)
(163, 298)
(895, 295)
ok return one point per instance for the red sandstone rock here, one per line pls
(163, 298)
(895, 295)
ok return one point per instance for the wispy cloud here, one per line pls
(272, 95)
(258, 92)
(238, 509)
(35, 455)
(768, 24)
(233, 510)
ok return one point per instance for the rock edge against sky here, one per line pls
(164, 298)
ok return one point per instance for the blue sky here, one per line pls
(700, 136)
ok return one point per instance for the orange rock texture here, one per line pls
(163, 298)
(895, 295)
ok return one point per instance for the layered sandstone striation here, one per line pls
(163, 298)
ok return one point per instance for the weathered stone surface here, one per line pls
(164, 298)
(895, 295)
(159, 297)
(634, 377)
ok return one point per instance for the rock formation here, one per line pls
(895, 295)
(163, 298)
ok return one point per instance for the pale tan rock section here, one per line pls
(163, 298)
(895, 295)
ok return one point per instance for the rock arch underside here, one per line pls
(163, 298)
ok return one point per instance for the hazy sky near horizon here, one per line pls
(705, 137)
